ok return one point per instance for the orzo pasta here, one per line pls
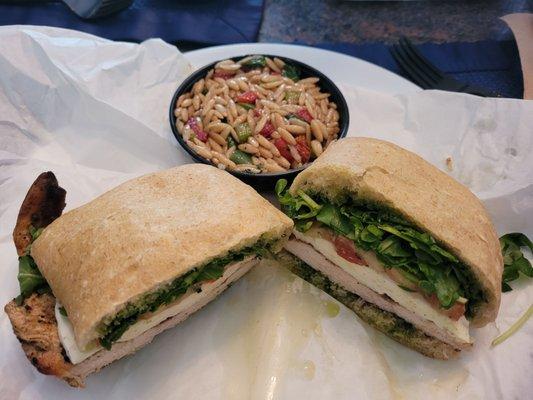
(257, 115)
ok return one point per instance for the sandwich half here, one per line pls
(109, 276)
(409, 249)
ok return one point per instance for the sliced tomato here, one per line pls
(304, 114)
(283, 149)
(303, 148)
(195, 127)
(454, 312)
(346, 249)
(267, 129)
(220, 73)
(247, 97)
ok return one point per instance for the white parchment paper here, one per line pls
(96, 113)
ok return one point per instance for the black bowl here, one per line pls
(264, 181)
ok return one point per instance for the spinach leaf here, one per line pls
(514, 261)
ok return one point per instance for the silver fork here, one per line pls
(426, 75)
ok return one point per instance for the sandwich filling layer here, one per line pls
(153, 306)
(193, 299)
(386, 322)
(367, 279)
(382, 252)
(113, 327)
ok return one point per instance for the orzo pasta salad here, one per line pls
(256, 115)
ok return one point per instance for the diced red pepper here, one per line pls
(303, 148)
(283, 149)
(304, 114)
(346, 249)
(247, 97)
(267, 129)
(220, 73)
(195, 127)
(275, 73)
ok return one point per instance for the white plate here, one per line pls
(339, 67)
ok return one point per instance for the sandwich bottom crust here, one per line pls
(388, 323)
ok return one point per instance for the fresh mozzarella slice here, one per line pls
(66, 336)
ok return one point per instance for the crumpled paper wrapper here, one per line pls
(95, 112)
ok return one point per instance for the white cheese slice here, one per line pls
(66, 336)
(383, 284)
(77, 355)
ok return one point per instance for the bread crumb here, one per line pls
(449, 164)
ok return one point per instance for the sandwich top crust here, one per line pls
(143, 234)
(381, 172)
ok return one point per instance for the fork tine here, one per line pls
(420, 59)
(410, 68)
(420, 66)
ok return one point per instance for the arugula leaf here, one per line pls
(29, 276)
(396, 243)
(299, 207)
(392, 247)
(443, 283)
(35, 233)
(513, 258)
(303, 226)
(332, 217)
(30, 279)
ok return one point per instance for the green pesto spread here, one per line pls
(112, 329)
